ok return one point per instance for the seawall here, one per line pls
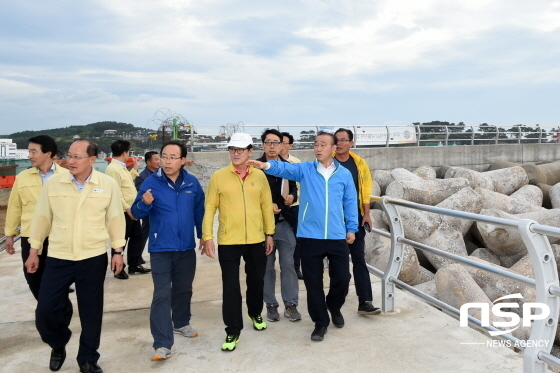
(476, 157)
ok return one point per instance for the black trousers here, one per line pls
(312, 254)
(34, 279)
(134, 247)
(51, 317)
(145, 230)
(362, 280)
(255, 266)
(297, 256)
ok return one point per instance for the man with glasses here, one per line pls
(125, 180)
(284, 193)
(327, 223)
(174, 201)
(363, 184)
(246, 226)
(287, 144)
(78, 211)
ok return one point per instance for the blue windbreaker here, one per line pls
(328, 208)
(173, 215)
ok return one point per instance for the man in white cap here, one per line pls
(246, 228)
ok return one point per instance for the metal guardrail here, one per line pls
(384, 135)
(535, 357)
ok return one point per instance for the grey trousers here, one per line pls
(172, 274)
(285, 244)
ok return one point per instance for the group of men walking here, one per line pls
(304, 211)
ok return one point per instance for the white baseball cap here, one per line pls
(240, 140)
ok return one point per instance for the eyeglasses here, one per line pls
(272, 143)
(236, 150)
(165, 158)
(343, 140)
(70, 157)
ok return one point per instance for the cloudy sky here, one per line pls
(307, 62)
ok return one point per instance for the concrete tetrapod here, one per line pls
(508, 180)
(383, 178)
(425, 172)
(456, 287)
(526, 201)
(428, 192)
(554, 193)
(443, 232)
(506, 242)
(476, 179)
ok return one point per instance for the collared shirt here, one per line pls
(46, 176)
(119, 162)
(244, 175)
(78, 185)
(326, 171)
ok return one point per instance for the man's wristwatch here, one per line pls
(270, 235)
(119, 252)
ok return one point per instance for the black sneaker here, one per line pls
(337, 318)
(367, 308)
(319, 333)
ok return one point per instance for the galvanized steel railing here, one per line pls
(535, 358)
(423, 135)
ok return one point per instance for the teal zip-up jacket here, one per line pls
(328, 208)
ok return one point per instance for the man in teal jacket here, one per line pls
(327, 223)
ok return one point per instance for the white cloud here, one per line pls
(308, 61)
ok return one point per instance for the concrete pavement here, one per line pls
(416, 338)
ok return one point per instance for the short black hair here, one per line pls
(92, 149)
(290, 137)
(47, 144)
(333, 137)
(182, 146)
(148, 156)
(349, 132)
(118, 147)
(273, 132)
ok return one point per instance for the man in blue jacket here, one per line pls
(174, 200)
(327, 223)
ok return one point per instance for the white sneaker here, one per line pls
(186, 331)
(162, 353)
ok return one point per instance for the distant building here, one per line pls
(8, 149)
(110, 133)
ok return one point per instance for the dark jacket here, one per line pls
(276, 190)
(173, 215)
(146, 173)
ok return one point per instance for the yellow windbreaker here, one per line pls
(125, 182)
(365, 182)
(23, 199)
(78, 224)
(245, 207)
